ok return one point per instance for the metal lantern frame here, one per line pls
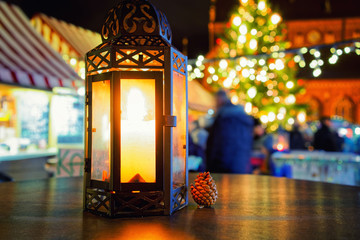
(133, 50)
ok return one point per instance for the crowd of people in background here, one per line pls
(234, 142)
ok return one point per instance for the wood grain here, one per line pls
(248, 207)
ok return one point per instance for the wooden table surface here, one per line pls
(249, 207)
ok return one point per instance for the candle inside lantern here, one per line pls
(138, 159)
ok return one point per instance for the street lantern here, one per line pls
(136, 111)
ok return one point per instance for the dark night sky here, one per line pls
(187, 18)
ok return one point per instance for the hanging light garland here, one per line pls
(349, 46)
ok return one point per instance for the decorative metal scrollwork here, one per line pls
(165, 27)
(111, 25)
(135, 17)
(139, 18)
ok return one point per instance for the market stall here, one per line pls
(333, 167)
(37, 88)
(70, 41)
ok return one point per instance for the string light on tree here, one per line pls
(254, 28)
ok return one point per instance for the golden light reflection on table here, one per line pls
(138, 161)
(149, 231)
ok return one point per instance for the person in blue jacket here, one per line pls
(229, 143)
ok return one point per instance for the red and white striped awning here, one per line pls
(80, 40)
(26, 59)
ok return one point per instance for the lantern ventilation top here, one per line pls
(135, 18)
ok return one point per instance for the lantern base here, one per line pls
(124, 204)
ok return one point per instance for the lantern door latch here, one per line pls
(169, 121)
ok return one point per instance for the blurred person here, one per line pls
(262, 149)
(357, 146)
(197, 145)
(324, 138)
(297, 140)
(196, 156)
(229, 142)
(199, 134)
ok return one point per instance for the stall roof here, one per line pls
(26, 59)
(82, 40)
(199, 98)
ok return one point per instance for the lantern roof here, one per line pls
(136, 22)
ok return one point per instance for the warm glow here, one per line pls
(243, 62)
(279, 64)
(100, 150)
(243, 29)
(357, 131)
(227, 83)
(275, 18)
(200, 58)
(252, 92)
(253, 44)
(290, 84)
(237, 21)
(280, 147)
(280, 116)
(136, 109)
(138, 161)
(313, 64)
(261, 5)
(302, 64)
(73, 61)
(179, 132)
(211, 70)
(290, 99)
(333, 59)
(303, 50)
(301, 117)
(271, 116)
(81, 91)
(317, 72)
(245, 73)
(242, 39)
(235, 99)
(223, 64)
(264, 119)
(248, 107)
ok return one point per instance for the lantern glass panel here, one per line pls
(138, 145)
(100, 149)
(179, 132)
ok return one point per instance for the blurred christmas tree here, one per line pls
(252, 66)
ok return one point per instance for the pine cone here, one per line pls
(204, 192)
